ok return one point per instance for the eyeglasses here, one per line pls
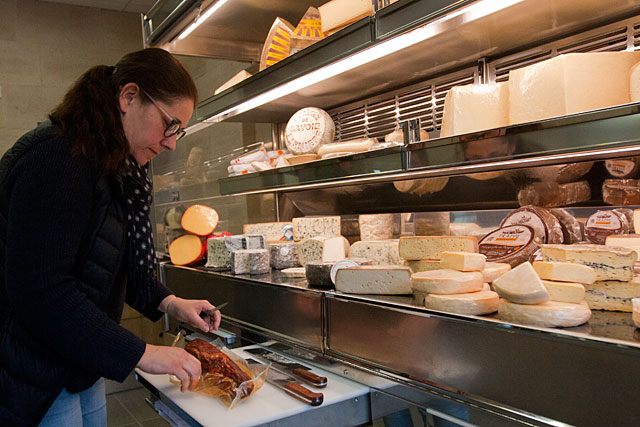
(173, 128)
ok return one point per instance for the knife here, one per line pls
(288, 366)
(288, 384)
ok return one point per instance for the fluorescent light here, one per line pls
(217, 5)
(466, 14)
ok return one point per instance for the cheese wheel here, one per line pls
(521, 285)
(565, 291)
(462, 261)
(417, 266)
(549, 314)
(475, 303)
(551, 194)
(376, 226)
(308, 129)
(546, 226)
(493, 270)
(430, 247)
(571, 229)
(446, 282)
(623, 168)
(186, 250)
(564, 271)
(621, 191)
(604, 223)
(200, 220)
(513, 244)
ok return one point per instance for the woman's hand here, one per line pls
(173, 361)
(188, 310)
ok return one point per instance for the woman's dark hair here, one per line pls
(89, 113)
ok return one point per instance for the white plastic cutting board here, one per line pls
(266, 405)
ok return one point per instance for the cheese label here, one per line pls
(507, 242)
(604, 221)
(308, 129)
(621, 168)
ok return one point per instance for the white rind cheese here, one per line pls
(382, 252)
(462, 261)
(374, 279)
(521, 285)
(376, 226)
(565, 291)
(493, 270)
(430, 247)
(325, 249)
(475, 303)
(273, 231)
(309, 227)
(612, 295)
(564, 271)
(550, 314)
(446, 282)
(609, 262)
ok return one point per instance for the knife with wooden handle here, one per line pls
(289, 385)
(288, 366)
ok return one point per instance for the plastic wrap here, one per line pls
(623, 168)
(621, 191)
(546, 226)
(571, 230)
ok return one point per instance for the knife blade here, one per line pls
(288, 384)
(288, 366)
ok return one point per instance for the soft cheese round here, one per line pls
(308, 129)
(476, 303)
(446, 281)
(549, 314)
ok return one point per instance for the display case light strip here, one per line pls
(217, 5)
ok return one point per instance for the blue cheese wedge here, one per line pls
(273, 231)
(374, 279)
(310, 227)
(218, 255)
(325, 249)
(382, 252)
(609, 262)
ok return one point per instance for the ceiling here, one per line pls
(134, 6)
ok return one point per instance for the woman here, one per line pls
(76, 243)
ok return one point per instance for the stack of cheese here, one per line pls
(198, 221)
(526, 299)
(283, 251)
(242, 254)
(458, 286)
(615, 284)
(422, 253)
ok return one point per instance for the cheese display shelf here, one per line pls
(478, 360)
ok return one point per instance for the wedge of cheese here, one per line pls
(612, 295)
(521, 285)
(309, 227)
(237, 78)
(550, 314)
(273, 231)
(629, 241)
(446, 282)
(462, 261)
(339, 13)
(374, 279)
(475, 107)
(493, 270)
(564, 271)
(564, 291)
(561, 85)
(430, 247)
(609, 262)
(324, 249)
(475, 303)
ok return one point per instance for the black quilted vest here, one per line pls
(31, 377)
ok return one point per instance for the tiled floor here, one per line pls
(129, 409)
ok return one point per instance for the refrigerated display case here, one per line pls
(391, 69)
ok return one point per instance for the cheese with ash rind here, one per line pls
(446, 282)
(564, 271)
(493, 270)
(376, 226)
(318, 273)
(430, 247)
(218, 255)
(560, 85)
(462, 261)
(521, 285)
(325, 249)
(474, 303)
(571, 229)
(565, 291)
(284, 255)
(374, 279)
(550, 314)
(609, 262)
(308, 129)
(417, 266)
(273, 231)
(512, 244)
(382, 252)
(309, 227)
(612, 295)
(550, 194)
(475, 107)
(546, 226)
(259, 261)
(240, 263)
(635, 302)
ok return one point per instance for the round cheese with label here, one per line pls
(623, 168)
(546, 226)
(621, 191)
(308, 129)
(513, 244)
(605, 223)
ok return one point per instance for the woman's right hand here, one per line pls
(173, 361)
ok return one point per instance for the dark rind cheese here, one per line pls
(318, 273)
(571, 229)
(550, 194)
(284, 255)
(621, 192)
(605, 223)
(561, 174)
(623, 168)
(546, 226)
(513, 244)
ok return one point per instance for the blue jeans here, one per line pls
(87, 408)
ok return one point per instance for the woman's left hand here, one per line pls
(188, 310)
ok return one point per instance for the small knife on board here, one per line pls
(288, 366)
(289, 385)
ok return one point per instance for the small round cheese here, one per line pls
(475, 303)
(308, 129)
(446, 282)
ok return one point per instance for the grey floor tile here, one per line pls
(117, 414)
(134, 402)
